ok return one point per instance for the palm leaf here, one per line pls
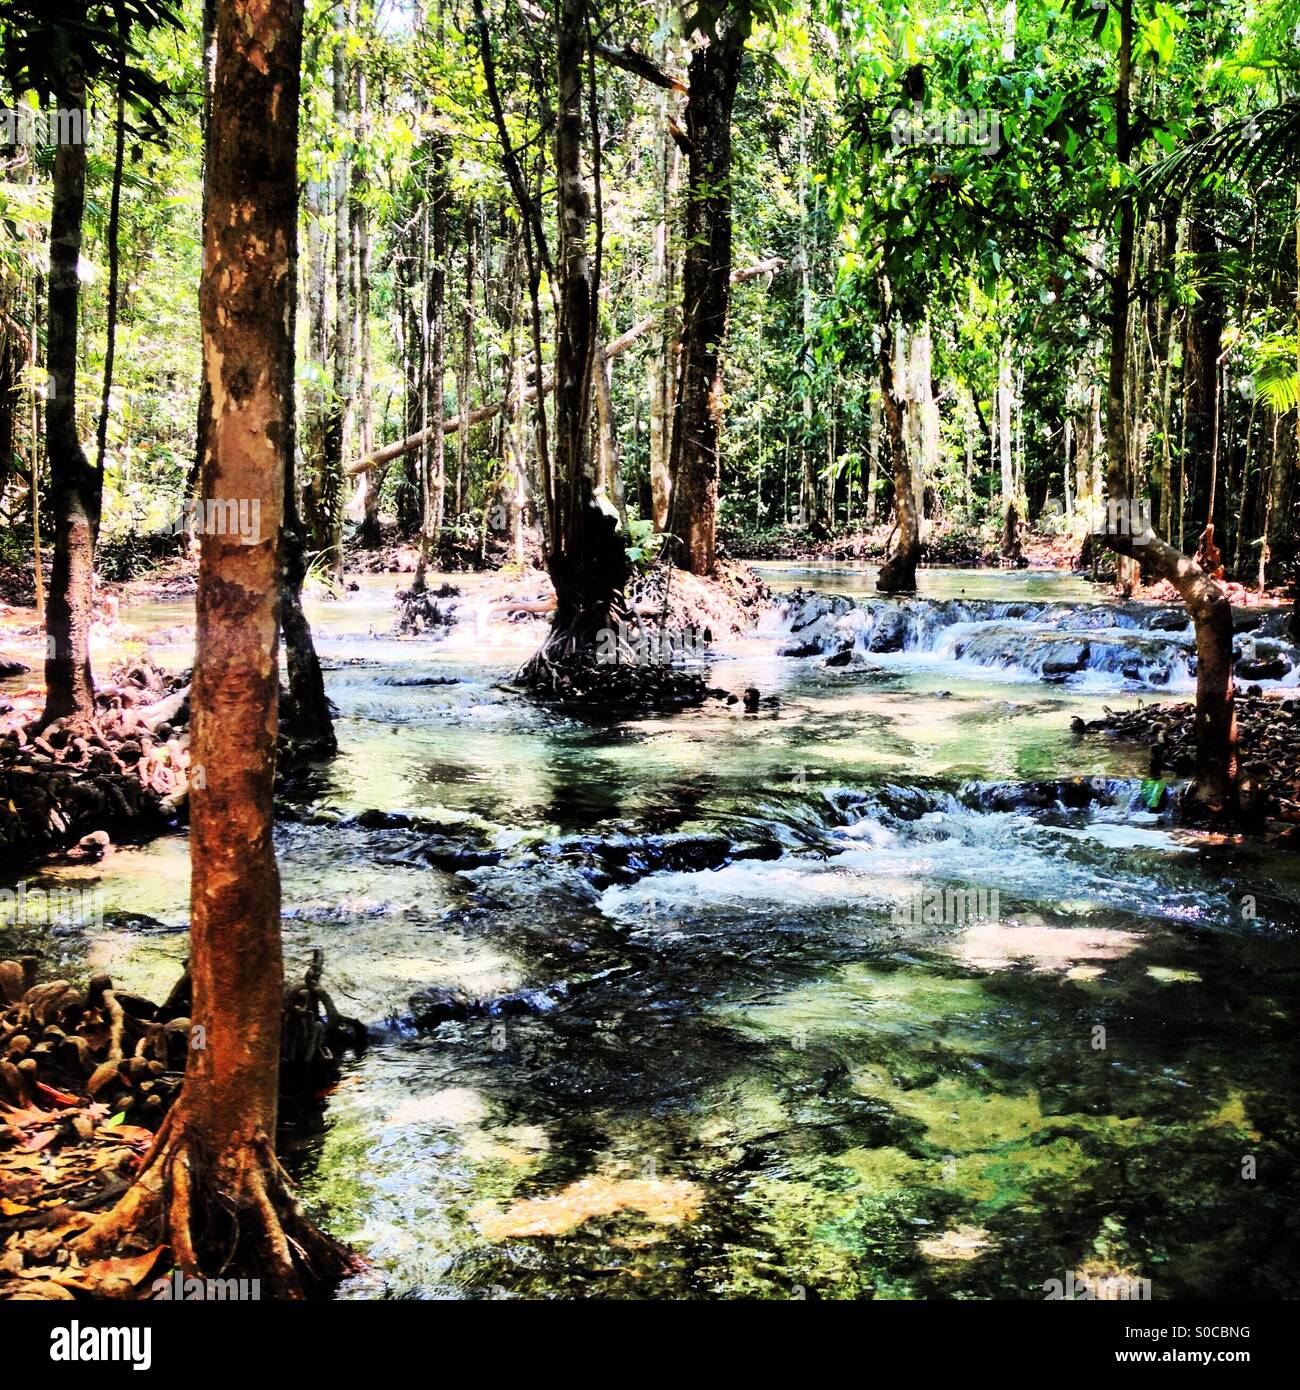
(1261, 146)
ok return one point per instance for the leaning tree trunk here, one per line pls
(1127, 533)
(712, 78)
(211, 1185)
(585, 554)
(76, 488)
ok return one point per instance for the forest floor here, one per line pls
(1268, 740)
(87, 1076)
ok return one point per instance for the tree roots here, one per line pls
(234, 1212)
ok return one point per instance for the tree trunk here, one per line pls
(1215, 783)
(433, 475)
(369, 499)
(337, 434)
(898, 573)
(663, 276)
(76, 489)
(211, 1185)
(706, 293)
(110, 308)
(587, 562)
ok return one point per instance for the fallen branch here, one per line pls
(486, 412)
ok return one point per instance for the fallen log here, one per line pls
(486, 412)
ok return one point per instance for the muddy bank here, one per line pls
(119, 778)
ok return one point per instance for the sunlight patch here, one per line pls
(961, 1243)
(663, 1200)
(1000, 945)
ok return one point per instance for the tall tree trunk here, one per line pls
(433, 475)
(898, 573)
(114, 258)
(663, 277)
(209, 21)
(587, 562)
(814, 509)
(211, 1185)
(76, 489)
(1202, 335)
(366, 485)
(467, 357)
(1215, 784)
(1006, 471)
(713, 75)
(327, 489)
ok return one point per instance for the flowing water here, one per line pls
(817, 1001)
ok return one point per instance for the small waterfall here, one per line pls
(1105, 646)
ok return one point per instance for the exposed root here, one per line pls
(233, 1213)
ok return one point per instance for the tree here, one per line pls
(712, 77)
(1129, 534)
(212, 1185)
(59, 48)
(585, 555)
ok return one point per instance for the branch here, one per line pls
(630, 60)
(487, 412)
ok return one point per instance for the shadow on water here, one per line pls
(739, 1058)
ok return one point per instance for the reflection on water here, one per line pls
(747, 1073)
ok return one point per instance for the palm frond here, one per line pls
(1261, 146)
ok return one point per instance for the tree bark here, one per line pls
(76, 489)
(713, 75)
(898, 573)
(211, 1183)
(663, 278)
(586, 558)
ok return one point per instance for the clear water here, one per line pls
(751, 1069)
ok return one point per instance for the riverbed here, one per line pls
(798, 1006)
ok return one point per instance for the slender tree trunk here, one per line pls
(433, 474)
(873, 459)
(369, 499)
(706, 293)
(327, 492)
(211, 1186)
(466, 361)
(75, 486)
(192, 482)
(898, 573)
(664, 272)
(114, 218)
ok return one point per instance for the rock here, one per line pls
(92, 846)
(843, 657)
(1070, 657)
(1262, 669)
